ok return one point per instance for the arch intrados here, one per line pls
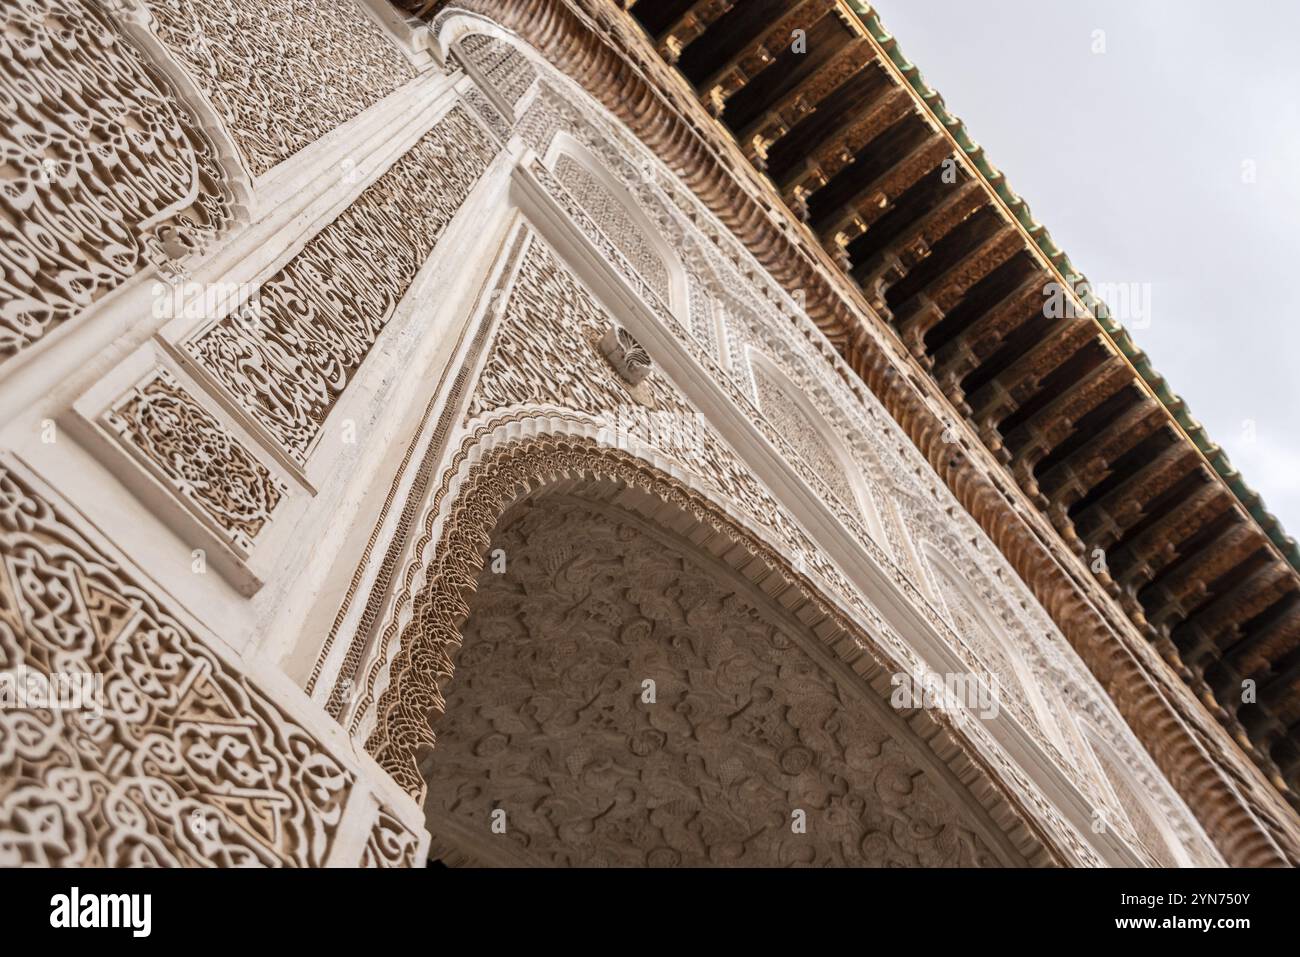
(510, 474)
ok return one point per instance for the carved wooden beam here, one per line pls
(1176, 594)
(1091, 463)
(690, 25)
(1219, 625)
(1138, 559)
(1280, 688)
(1106, 521)
(838, 151)
(730, 76)
(912, 245)
(923, 311)
(1271, 641)
(973, 267)
(823, 156)
(1034, 438)
(873, 199)
(958, 358)
(811, 86)
(1023, 377)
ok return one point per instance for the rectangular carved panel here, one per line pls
(197, 457)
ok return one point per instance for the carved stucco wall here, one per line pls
(1137, 813)
(209, 424)
(183, 762)
(503, 68)
(550, 317)
(106, 170)
(547, 719)
(973, 629)
(884, 457)
(133, 129)
(282, 74)
(545, 353)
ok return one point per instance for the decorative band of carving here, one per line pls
(449, 404)
(288, 362)
(105, 171)
(488, 113)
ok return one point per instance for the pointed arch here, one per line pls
(521, 470)
(609, 202)
(798, 419)
(973, 623)
(626, 699)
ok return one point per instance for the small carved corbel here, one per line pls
(626, 355)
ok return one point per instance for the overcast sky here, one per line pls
(1135, 161)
